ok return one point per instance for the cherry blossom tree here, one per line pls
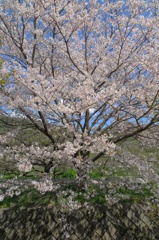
(88, 67)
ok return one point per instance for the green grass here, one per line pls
(144, 193)
(96, 173)
(7, 176)
(69, 173)
(28, 198)
(117, 172)
(32, 197)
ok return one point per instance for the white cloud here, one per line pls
(16, 115)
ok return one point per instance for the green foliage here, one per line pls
(97, 198)
(69, 173)
(96, 173)
(28, 198)
(116, 172)
(94, 195)
(140, 194)
(4, 77)
(8, 176)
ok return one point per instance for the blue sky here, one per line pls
(24, 65)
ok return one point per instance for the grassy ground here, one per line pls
(101, 171)
(31, 197)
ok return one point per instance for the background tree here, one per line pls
(89, 67)
(3, 76)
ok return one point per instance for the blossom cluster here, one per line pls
(82, 73)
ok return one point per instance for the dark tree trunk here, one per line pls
(48, 166)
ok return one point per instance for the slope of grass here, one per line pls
(103, 169)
